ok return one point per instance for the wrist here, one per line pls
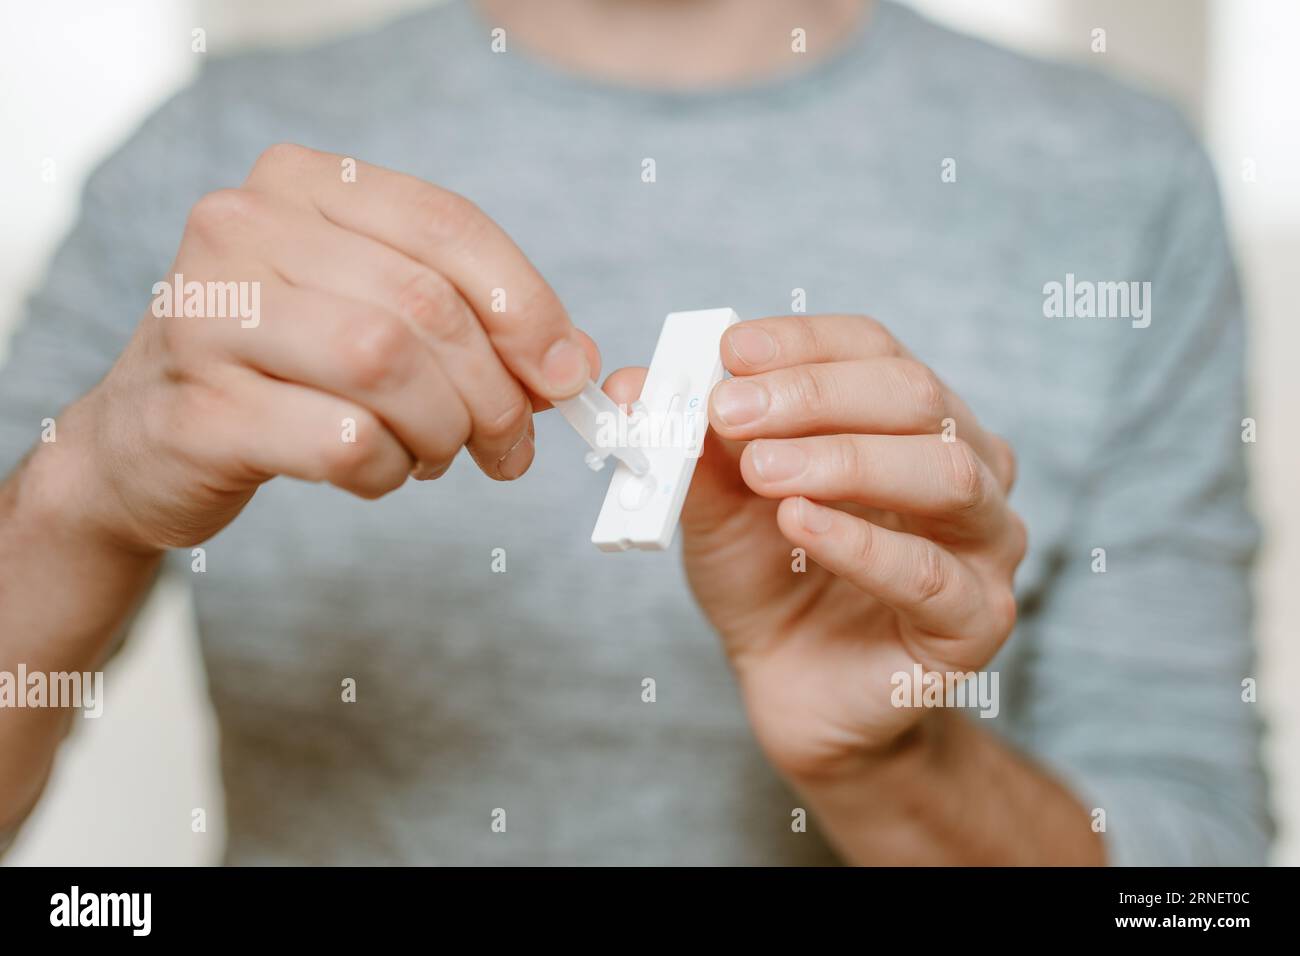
(62, 490)
(887, 806)
(911, 753)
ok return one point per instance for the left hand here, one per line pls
(830, 438)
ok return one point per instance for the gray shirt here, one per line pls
(522, 690)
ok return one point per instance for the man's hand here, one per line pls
(397, 324)
(831, 438)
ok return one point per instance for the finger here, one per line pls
(887, 396)
(522, 315)
(593, 362)
(363, 354)
(312, 252)
(293, 430)
(892, 395)
(911, 474)
(761, 345)
(230, 222)
(624, 384)
(913, 575)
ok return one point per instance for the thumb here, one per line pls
(593, 360)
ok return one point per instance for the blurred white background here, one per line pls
(76, 76)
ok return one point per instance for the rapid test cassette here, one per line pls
(667, 426)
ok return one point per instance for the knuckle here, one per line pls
(809, 389)
(446, 217)
(844, 459)
(542, 309)
(864, 547)
(374, 351)
(218, 214)
(1005, 611)
(873, 331)
(430, 303)
(340, 459)
(964, 476)
(929, 577)
(925, 393)
(807, 335)
(344, 462)
(507, 424)
(282, 156)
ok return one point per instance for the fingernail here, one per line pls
(753, 346)
(778, 460)
(813, 517)
(738, 402)
(422, 472)
(516, 461)
(564, 368)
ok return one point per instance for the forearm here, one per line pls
(64, 593)
(951, 793)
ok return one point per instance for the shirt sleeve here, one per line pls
(1140, 677)
(98, 284)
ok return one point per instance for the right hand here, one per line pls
(376, 305)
